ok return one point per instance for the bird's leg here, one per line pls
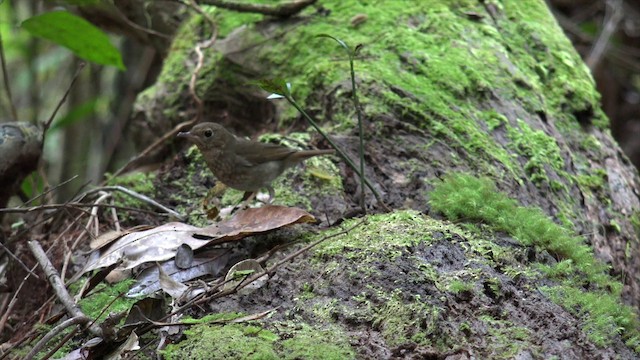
(246, 199)
(217, 190)
(272, 194)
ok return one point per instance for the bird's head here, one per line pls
(208, 136)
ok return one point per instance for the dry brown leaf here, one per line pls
(254, 221)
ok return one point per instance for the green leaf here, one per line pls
(76, 34)
(32, 185)
(276, 86)
(346, 47)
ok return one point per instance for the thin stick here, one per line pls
(93, 218)
(64, 340)
(7, 87)
(58, 286)
(614, 15)
(12, 303)
(137, 196)
(356, 103)
(64, 98)
(72, 205)
(200, 63)
(50, 190)
(169, 135)
(280, 10)
(76, 320)
(17, 259)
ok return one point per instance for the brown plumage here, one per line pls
(243, 164)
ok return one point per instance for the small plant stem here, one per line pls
(356, 103)
(338, 149)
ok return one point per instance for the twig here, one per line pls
(280, 10)
(5, 316)
(76, 320)
(138, 27)
(93, 218)
(351, 53)
(64, 98)
(58, 286)
(7, 87)
(73, 205)
(137, 196)
(200, 62)
(168, 135)
(116, 221)
(613, 17)
(50, 190)
(17, 259)
(60, 344)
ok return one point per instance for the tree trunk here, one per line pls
(489, 89)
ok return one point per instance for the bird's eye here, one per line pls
(208, 133)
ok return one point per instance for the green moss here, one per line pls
(457, 286)
(139, 182)
(210, 318)
(635, 222)
(602, 314)
(471, 198)
(594, 182)
(103, 295)
(590, 142)
(381, 234)
(236, 341)
(401, 317)
(494, 119)
(305, 342)
(507, 340)
(540, 150)
(226, 342)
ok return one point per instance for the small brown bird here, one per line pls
(244, 164)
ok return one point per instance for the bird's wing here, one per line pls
(257, 153)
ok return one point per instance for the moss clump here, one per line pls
(139, 182)
(236, 341)
(384, 233)
(540, 150)
(400, 319)
(507, 340)
(469, 197)
(601, 312)
(305, 342)
(102, 296)
(462, 196)
(226, 342)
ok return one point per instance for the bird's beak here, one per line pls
(187, 135)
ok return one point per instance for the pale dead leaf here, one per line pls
(161, 243)
(240, 271)
(173, 288)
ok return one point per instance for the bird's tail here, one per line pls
(305, 154)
